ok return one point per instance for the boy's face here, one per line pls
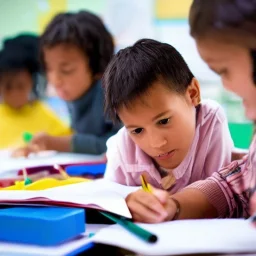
(68, 71)
(162, 123)
(15, 88)
(234, 65)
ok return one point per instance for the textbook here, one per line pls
(98, 194)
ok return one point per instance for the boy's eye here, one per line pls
(220, 71)
(137, 131)
(164, 121)
(67, 71)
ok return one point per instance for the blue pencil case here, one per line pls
(86, 170)
(44, 226)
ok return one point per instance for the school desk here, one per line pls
(9, 164)
(82, 246)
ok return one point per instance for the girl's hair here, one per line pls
(223, 15)
(227, 17)
(133, 70)
(20, 53)
(83, 30)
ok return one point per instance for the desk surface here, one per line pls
(14, 164)
(9, 249)
(15, 249)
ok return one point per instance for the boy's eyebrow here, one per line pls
(159, 115)
(131, 126)
(153, 119)
(63, 64)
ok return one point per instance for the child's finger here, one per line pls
(142, 213)
(151, 202)
(147, 205)
(145, 218)
(20, 152)
(161, 195)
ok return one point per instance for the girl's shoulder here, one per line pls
(210, 109)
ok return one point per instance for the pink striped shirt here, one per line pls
(228, 189)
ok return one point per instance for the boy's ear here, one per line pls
(193, 92)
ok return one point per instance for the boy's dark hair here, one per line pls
(133, 70)
(20, 53)
(84, 30)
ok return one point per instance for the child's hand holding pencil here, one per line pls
(152, 205)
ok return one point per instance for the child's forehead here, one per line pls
(63, 51)
(11, 74)
(152, 103)
(15, 77)
(158, 93)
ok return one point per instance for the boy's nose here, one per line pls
(55, 80)
(158, 142)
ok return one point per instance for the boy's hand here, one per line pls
(151, 207)
(40, 142)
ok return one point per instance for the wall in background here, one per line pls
(128, 21)
(32, 15)
(164, 20)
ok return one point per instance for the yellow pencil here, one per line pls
(145, 185)
(61, 170)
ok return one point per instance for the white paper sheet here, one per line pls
(186, 237)
(174, 238)
(100, 193)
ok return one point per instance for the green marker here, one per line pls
(133, 228)
(27, 137)
(27, 180)
(91, 234)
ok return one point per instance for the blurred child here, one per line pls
(75, 50)
(170, 135)
(21, 108)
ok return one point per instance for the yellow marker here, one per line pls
(52, 183)
(45, 183)
(19, 185)
(145, 185)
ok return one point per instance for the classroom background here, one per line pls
(128, 21)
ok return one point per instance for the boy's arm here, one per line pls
(77, 143)
(227, 190)
(89, 143)
(194, 204)
(92, 144)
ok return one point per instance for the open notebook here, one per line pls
(185, 237)
(99, 194)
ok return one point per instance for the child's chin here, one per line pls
(65, 97)
(250, 113)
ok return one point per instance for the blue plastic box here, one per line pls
(86, 170)
(43, 226)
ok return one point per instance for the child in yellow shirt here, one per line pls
(21, 109)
